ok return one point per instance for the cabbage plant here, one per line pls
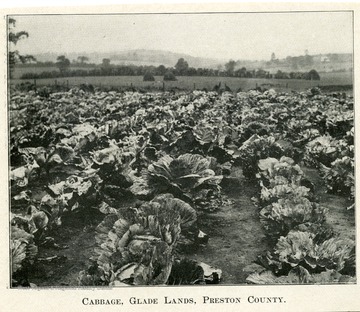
(183, 177)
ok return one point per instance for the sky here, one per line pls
(250, 36)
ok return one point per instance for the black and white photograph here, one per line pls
(179, 149)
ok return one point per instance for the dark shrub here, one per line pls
(313, 75)
(169, 76)
(149, 77)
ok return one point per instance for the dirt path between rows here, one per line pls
(236, 237)
(341, 219)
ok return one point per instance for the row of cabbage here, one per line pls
(305, 248)
(94, 150)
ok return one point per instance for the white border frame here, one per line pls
(297, 298)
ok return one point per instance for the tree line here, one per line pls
(149, 72)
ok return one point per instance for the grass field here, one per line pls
(21, 70)
(190, 83)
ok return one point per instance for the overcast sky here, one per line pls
(224, 36)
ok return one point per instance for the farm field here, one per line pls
(194, 82)
(181, 188)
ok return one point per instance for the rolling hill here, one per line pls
(138, 57)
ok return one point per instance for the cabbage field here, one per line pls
(181, 188)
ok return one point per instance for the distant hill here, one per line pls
(330, 62)
(138, 57)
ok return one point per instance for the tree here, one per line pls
(105, 66)
(62, 63)
(240, 72)
(160, 70)
(280, 75)
(14, 56)
(230, 67)
(83, 59)
(181, 67)
(260, 73)
(191, 71)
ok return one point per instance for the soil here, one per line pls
(338, 216)
(236, 237)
